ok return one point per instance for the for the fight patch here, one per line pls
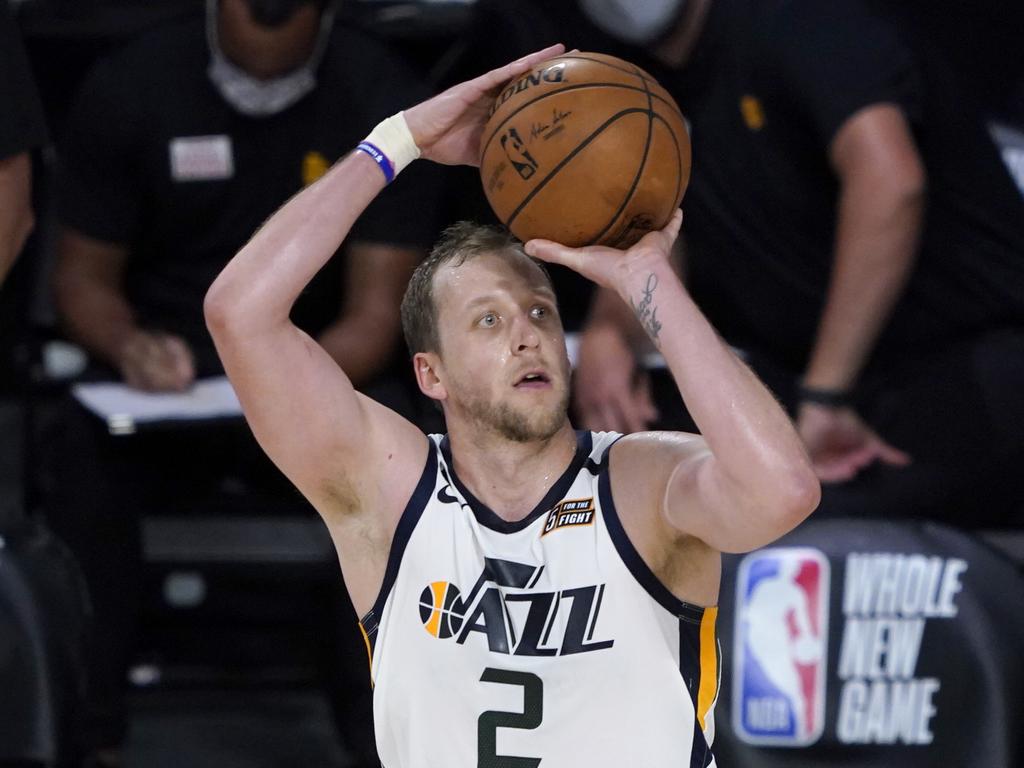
(569, 512)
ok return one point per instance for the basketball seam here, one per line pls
(679, 159)
(639, 171)
(542, 96)
(636, 70)
(565, 160)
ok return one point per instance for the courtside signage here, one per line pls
(780, 651)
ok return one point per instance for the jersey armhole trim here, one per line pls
(406, 525)
(684, 611)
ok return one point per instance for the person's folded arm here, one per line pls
(363, 338)
(16, 218)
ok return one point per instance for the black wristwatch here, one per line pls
(830, 398)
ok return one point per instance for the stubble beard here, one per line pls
(519, 425)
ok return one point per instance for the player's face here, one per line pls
(503, 355)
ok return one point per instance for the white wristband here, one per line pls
(394, 140)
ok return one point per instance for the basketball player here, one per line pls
(531, 594)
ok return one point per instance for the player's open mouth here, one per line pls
(533, 380)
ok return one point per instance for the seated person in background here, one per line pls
(21, 130)
(851, 228)
(180, 146)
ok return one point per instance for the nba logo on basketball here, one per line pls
(781, 647)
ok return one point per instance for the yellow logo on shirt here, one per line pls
(314, 165)
(569, 512)
(441, 610)
(752, 111)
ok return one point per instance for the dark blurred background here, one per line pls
(246, 652)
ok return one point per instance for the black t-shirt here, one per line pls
(156, 160)
(769, 84)
(21, 116)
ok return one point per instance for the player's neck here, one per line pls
(510, 477)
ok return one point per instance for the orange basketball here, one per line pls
(585, 149)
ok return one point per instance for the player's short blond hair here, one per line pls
(459, 243)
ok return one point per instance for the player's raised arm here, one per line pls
(748, 481)
(333, 443)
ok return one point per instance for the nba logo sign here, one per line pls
(781, 647)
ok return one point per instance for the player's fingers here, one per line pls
(664, 238)
(501, 75)
(555, 253)
(674, 225)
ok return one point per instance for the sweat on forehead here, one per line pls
(502, 265)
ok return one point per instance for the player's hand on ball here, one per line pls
(447, 127)
(610, 267)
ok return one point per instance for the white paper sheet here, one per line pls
(122, 407)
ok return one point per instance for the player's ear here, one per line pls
(427, 368)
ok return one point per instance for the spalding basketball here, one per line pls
(585, 149)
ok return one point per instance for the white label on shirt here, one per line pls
(201, 158)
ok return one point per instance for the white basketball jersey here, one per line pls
(544, 642)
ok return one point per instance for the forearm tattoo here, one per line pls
(646, 311)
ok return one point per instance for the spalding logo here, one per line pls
(553, 74)
(781, 647)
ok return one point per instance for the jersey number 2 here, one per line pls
(490, 721)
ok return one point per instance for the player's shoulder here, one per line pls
(651, 457)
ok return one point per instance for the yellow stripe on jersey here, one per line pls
(707, 691)
(369, 653)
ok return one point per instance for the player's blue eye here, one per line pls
(539, 313)
(489, 320)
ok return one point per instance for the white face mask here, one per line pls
(633, 21)
(262, 98)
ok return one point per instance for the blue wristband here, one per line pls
(386, 166)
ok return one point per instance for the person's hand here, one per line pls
(610, 392)
(156, 362)
(447, 128)
(840, 444)
(611, 267)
